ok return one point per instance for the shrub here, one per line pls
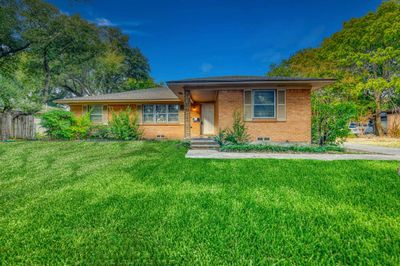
(330, 121)
(61, 124)
(100, 132)
(58, 124)
(125, 126)
(280, 148)
(394, 129)
(221, 137)
(80, 127)
(237, 134)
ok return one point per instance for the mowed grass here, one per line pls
(144, 203)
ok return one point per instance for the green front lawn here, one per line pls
(144, 203)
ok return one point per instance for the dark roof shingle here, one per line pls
(161, 93)
(244, 79)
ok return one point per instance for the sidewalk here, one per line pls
(372, 148)
(212, 154)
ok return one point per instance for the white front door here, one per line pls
(207, 118)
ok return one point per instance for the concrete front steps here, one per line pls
(203, 144)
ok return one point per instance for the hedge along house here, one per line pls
(274, 109)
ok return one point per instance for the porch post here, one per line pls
(186, 103)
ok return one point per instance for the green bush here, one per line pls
(280, 148)
(58, 124)
(125, 126)
(81, 126)
(235, 135)
(330, 121)
(100, 132)
(221, 137)
(61, 124)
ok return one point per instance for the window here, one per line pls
(160, 113)
(96, 113)
(264, 103)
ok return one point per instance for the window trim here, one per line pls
(90, 108)
(253, 104)
(154, 114)
(281, 104)
(248, 104)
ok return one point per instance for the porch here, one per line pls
(200, 114)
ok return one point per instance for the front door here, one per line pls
(207, 118)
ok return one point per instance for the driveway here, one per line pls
(372, 148)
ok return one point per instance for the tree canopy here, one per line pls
(46, 54)
(364, 57)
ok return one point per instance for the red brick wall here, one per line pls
(296, 128)
(76, 109)
(168, 131)
(150, 131)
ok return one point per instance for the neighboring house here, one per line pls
(392, 121)
(275, 109)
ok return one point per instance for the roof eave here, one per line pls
(266, 82)
(72, 101)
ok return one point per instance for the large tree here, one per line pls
(111, 70)
(66, 55)
(364, 56)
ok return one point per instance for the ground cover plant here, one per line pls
(281, 148)
(143, 203)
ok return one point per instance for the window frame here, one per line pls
(155, 113)
(248, 104)
(253, 104)
(91, 107)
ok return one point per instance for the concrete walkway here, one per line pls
(372, 148)
(212, 154)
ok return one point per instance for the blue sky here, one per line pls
(189, 38)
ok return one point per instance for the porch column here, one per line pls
(186, 102)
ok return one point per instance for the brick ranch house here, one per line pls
(274, 109)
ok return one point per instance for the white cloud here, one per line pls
(206, 67)
(103, 22)
(127, 27)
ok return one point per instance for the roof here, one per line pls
(175, 88)
(154, 94)
(246, 79)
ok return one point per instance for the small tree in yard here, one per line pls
(125, 126)
(237, 134)
(330, 122)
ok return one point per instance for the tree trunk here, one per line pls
(378, 122)
(46, 89)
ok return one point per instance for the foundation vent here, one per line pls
(263, 139)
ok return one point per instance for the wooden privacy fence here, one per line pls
(16, 126)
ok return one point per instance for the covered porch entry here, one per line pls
(200, 113)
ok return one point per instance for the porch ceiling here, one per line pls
(203, 95)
